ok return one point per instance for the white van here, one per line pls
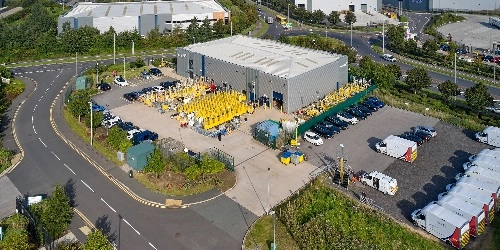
(389, 57)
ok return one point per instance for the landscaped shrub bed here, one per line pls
(323, 218)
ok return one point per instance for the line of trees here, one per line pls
(32, 33)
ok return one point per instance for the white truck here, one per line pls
(398, 147)
(381, 182)
(270, 20)
(490, 136)
(472, 196)
(488, 152)
(481, 186)
(484, 161)
(444, 224)
(473, 214)
(480, 173)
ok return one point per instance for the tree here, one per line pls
(417, 79)
(79, 106)
(346, 50)
(430, 47)
(117, 139)
(334, 17)
(96, 119)
(318, 16)
(15, 233)
(350, 18)
(448, 88)
(395, 70)
(396, 36)
(477, 97)
(5, 157)
(156, 163)
(97, 241)
(56, 212)
(5, 72)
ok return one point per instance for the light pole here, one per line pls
(91, 127)
(455, 67)
(194, 40)
(383, 37)
(97, 72)
(268, 206)
(326, 31)
(273, 245)
(124, 77)
(76, 64)
(114, 47)
(351, 34)
(133, 45)
(341, 162)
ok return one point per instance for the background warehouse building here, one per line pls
(265, 69)
(143, 16)
(328, 6)
(459, 5)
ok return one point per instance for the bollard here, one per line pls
(131, 174)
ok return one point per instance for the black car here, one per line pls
(412, 137)
(423, 135)
(364, 109)
(103, 86)
(155, 72)
(167, 84)
(337, 122)
(329, 126)
(322, 131)
(355, 112)
(370, 106)
(147, 89)
(376, 101)
(131, 96)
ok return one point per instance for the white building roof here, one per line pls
(269, 56)
(119, 9)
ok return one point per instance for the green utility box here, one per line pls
(81, 83)
(137, 156)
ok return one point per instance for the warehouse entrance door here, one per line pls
(277, 100)
(364, 8)
(351, 7)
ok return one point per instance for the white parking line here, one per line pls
(40, 98)
(31, 119)
(87, 186)
(55, 155)
(69, 169)
(152, 246)
(108, 205)
(132, 227)
(42, 141)
(46, 90)
(34, 130)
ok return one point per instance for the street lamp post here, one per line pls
(273, 245)
(97, 73)
(268, 206)
(351, 34)
(76, 64)
(91, 127)
(194, 40)
(133, 45)
(455, 67)
(383, 37)
(114, 47)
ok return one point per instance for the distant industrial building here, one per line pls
(265, 70)
(430, 5)
(327, 6)
(143, 16)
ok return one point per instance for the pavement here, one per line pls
(9, 193)
(5, 12)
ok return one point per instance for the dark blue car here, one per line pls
(337, 122)
(329, 126)
(376, 101)
(145, 135)
(322, 131)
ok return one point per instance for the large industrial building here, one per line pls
(436, 5)
(143, 16)
(265, 70)
(327, 6)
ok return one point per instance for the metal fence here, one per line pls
(225, 158)
(264, 137)
(35, 227)
(335, 109)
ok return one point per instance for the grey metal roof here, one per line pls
(119, 9)
(269, 56)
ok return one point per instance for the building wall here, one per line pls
(62, 20)
(328, 6)
(164, 21)
(465, 4)
(316, 84)
(146, 24)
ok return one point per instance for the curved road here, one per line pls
(48, 160)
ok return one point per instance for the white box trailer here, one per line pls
(493, 153)
(492, 189)
(398, 147)
(490, 136)
(484, 161)
(480, 173)
(381, 182)
(444, 224)
(472, 196)
(473, 214)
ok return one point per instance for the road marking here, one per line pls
(40, 98)
(55, 155)
(31, 119)
(69, 169)
(132, 227)
(108, 205)
(87, 186)
(152, 246)
(34, 130)
(42, 141)
(46, 90)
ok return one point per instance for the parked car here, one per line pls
(347, 118)
(337, 122)
(376, 101)
(412, 137)
(145, 135)
(322, 131)
(132, 96)
(158, 89)
(426, 129)
(313, 138)
(120, 81)
(147, 89)
(363, 109)
(389, 57)
(146, 75)
(97, 108)
(103, 86)
(371, 106)
(423, 135)
(488, 58)
(329, 126)
(356, 113)
(155, 72)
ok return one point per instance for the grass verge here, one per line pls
(81, 131)
(264, 28)
(143, 179)
(260, 235)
